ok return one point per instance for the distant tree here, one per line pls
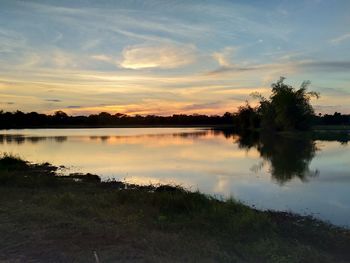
(104, 118)
(247, 118)
(60, 115)
(335, 119)
(228, 117)
(19, 119)
(60, 118)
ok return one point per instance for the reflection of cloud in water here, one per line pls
(340, 178)
(215, 162)
(222, 185)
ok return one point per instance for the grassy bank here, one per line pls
(50, 218)
(331, 127)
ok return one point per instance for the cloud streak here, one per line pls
(157, 56)
(287, 67)
(341, 38)
(53, 100)
(224, 57)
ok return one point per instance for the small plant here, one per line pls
(8, 160)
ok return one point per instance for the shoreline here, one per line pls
(47, 217)
(315, 128)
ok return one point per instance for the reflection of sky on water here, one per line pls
(198, 159)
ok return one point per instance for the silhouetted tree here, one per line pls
(335, 119)
(287, 108)
(19, 119)
(247, 118)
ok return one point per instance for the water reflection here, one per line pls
(299, 173)
(343, 137)
(20, 139)
(287, 156)
(169, 136)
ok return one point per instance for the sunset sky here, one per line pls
(164, 57)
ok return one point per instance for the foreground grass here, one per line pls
(47, 218)
(331, 127)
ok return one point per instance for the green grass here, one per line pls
(50, 218)
(331, 127)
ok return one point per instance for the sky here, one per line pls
(165, 57)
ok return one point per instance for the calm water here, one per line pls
(303, 175)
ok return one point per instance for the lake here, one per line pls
(306, 174)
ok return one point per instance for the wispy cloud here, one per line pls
(335, 66)
(73, 107)
(327, 108)
(53, 100)
(334, 92)
(340, 39)
(288, 67)
(7, 103)
(154, 56)
(154, 106)
(201, 106)
(236, 69)
(224, 57)
(10, 41)
(102, 57)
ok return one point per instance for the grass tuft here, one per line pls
(9, 161)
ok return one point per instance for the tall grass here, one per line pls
(10, 161)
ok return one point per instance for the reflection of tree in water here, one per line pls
(288, 157)
(20, 139)
(60, 138)
(343, 137)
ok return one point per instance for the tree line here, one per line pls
(20, 119)
(287, 108)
